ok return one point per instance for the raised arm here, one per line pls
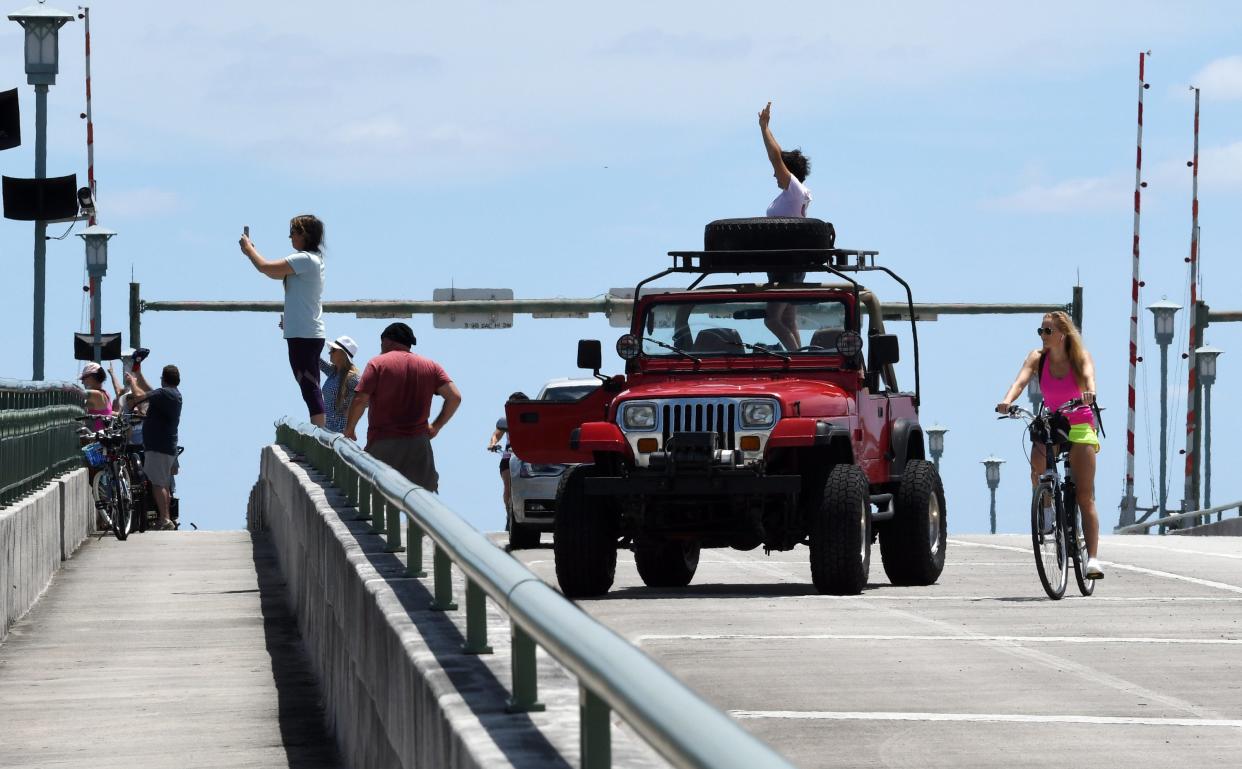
(275, 270)
(773, 149)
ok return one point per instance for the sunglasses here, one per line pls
(1044, 331)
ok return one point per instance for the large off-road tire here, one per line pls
(521, 536)
(662, 563)
(912, 544)
(840, 532)
(585, 545)
(768, 233)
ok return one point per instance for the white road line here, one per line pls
(958, 638)
(833, 715)
(1122, 566)
(1234, 556)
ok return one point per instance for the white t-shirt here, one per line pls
(793, 200)
(304, 296)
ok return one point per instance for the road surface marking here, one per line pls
(1234, 556)
(833, 715)
(971, 638)
(1121, 566)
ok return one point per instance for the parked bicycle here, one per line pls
(112, 485)
(1056, 521)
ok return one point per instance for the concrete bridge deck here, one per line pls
(167, 650)
(980, 670)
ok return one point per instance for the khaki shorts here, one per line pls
(412, 457)
(159, 468)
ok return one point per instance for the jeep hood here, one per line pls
(813, 398)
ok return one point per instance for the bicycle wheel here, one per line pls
(123, 517)
(104, 490)
(1051, 558)
(1077, 542)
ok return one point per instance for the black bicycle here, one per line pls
(112, 487)
(1056, 521)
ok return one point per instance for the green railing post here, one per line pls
(442, 567)
(393, 535)
(365, 490)
(414, 558)
(594, 730)
(378, 505)
(476, 620)
(525, 697)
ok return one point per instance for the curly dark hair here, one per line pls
(798, 164)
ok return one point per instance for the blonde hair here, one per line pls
(350, 370)
(1075, 350)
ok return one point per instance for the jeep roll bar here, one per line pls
(835, 261)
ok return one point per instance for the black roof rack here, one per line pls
(782, 260)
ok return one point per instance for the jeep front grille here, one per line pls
(700, 415)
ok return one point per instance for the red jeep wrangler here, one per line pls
(719, 435)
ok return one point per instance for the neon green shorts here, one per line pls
(1084, 433)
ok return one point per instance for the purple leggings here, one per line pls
(304, 360)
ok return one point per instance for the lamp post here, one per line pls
(1164, 312)
(1034, 393)
(42, 25)
(96, 239)
(1205, 362)
(991, 470)
(935, 442)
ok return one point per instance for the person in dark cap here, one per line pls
(397, 386)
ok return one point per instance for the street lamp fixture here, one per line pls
(935, 442)
(1205, 363)
(1164, 310)
(42, 25)
(991, 470)
(96, 239)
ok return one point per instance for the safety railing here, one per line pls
(38, 434)
(613, 675)
(1219, 511)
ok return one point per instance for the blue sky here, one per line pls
(560, 149)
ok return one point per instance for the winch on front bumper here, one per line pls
(692, 464)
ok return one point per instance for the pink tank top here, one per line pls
(106, 411)
(1058, 392)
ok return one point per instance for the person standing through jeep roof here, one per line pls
(397, 387)
(790, 169)
(159, 438)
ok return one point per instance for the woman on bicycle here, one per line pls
(1066, 373)
(98, 402)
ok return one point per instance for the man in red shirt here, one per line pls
(397, 386)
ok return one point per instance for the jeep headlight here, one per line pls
(639, 416)
(758, 414)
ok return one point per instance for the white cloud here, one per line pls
(1221, 80)
(1086, 195)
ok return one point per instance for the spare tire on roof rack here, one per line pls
(768, 233)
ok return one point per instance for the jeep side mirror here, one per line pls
(882, 350)
(590, 355)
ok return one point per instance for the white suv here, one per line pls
(532, 489)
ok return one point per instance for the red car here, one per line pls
(750, 414)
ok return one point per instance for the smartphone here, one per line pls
(246, 231)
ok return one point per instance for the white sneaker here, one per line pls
(1094, 570)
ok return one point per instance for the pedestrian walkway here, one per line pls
(168, 650)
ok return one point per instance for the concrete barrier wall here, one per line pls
(390, 699)
(1226, 527)
(36, 534)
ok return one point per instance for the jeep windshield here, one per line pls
(724, 326)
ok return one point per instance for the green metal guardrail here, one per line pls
(613, 675)
(38, 434)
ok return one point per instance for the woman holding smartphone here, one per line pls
(302, 275)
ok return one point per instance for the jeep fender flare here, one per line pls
(808, 432)
(599, 437)
(906, 440)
